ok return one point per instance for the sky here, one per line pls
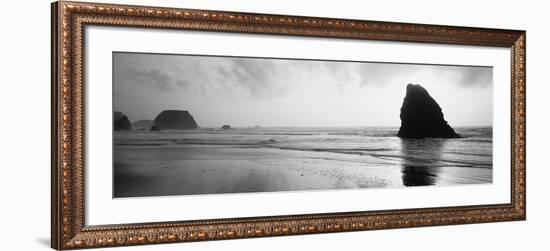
(245, 92)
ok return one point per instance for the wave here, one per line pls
(475, 150)
(469, 153)
(478, 140)
(396, 156)
(364, 134)
(376, 152)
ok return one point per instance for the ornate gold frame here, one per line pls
(68, 228)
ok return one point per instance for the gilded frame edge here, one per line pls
(68, 230)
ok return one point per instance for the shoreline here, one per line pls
(208, 169)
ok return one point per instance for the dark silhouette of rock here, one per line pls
(421, 116)
(226, 127)
(121, 122)
(142, 124)
(154, 128)
(175, 119)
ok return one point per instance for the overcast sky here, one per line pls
(245, 92)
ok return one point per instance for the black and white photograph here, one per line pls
(209, 124)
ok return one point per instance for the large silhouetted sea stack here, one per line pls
(175, 119)
(121, 122)
(421, 116)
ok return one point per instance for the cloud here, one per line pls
(252, 91)
(475, 76)
(153, 77)
(270, 78)
(258, 78)
(381, 74)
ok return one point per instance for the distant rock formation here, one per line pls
(121, 122)
(226, 127)
(174, 119)
(143, 124)
(421, 116)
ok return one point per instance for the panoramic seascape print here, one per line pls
(195, 124)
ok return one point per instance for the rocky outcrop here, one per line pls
(421, 116)
(175, 119)
(121, 122)
(143, 124)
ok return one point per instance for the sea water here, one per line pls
(266, 159)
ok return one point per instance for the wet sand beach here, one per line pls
(157, 168)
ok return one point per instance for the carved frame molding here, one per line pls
(68, 225)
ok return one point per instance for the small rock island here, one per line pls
(174, 119)
(121, 122)
(142, 124)
(421, 116)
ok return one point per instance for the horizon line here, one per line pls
(305, 126)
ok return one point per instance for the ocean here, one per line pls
(276, 159)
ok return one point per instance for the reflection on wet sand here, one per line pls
(152, 171)
(419, 175)
(419, 167)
